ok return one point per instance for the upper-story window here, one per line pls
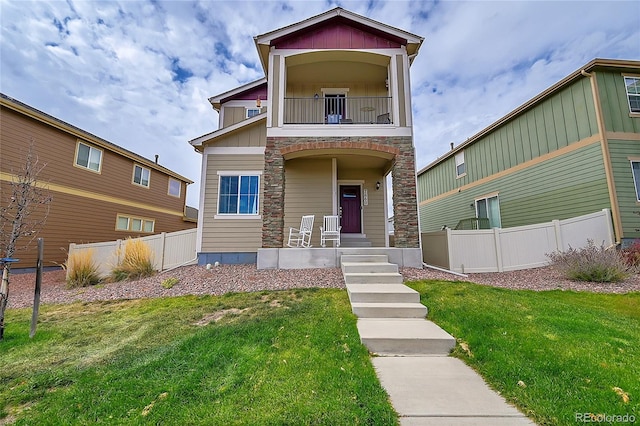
(141, 175)
(632, 85)
(251, 112)
(461, 168)
(174, 187)
(88, 157)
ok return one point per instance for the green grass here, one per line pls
(553, 353)
(271, 358)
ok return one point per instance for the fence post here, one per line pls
(449, 249)
(163, 239)
(558, 231)
(608, 221)
(496, 237)
(36, 295)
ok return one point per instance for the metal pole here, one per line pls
(36, 296)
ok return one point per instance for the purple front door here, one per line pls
(350, 209)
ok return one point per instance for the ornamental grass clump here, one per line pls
(135, 261)
(591, 263)
(81, 269)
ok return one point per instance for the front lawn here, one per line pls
(559, 356)
(290, 357)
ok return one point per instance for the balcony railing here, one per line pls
(338, 110)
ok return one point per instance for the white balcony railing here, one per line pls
(338, 110)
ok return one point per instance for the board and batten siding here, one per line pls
(614, 103)
(620, 151)
(564, 118)
(230, 235)
(559, 188)
(308, 190)
(233, 115)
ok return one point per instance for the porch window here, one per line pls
(489, 208)
(141, 175)
(238, 194)
(461, 168)
(88, 157)
(632, 86)
(635, 169)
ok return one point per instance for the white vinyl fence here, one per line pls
(510, 249)
(170, 249)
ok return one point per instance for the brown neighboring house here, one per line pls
(100, 191)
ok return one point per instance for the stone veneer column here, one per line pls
(405, 207)
(273, 197)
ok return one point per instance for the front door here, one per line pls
(350, 209)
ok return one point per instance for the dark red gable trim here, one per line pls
(339, 33)
(251, 94)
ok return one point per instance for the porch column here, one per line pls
(405, 207)
(273, 196)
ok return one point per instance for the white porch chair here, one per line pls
(330, 231)
(301, 237)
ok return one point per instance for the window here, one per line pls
(489, 208)
(141, 175)
(335, 108)
(635, 170)
(251, 112)
(88, 157)
(461, 169)
(136, 224)
(238, 195)
(632, 85)
(174, 187)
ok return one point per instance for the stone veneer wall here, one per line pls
(404, 182)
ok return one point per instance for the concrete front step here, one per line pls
(364, 258)
(400, 336)
(373, 278)
(368, 267)
(389, 310)
(372, 293)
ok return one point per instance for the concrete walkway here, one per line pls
(425, 385)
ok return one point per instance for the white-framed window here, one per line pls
(135, 224)
(489, 207)
(238, 194)
(635, 170)
(174, 187)
(461, 168)
(251, 112)
(141, 175)
(88, 157)
(632, 86)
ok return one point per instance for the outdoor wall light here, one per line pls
(377, 186)
(316, 97)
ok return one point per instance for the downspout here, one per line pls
(606, 157)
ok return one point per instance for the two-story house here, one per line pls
(572, 150)
(319, 135)
(99, 191)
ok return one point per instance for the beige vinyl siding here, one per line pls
(401, 94)
(621, 151)
(233, 115)
(253, 136)
(373, 214)
(230, 235)
(308, 190)
(275, 92)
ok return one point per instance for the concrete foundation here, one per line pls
(304, 258)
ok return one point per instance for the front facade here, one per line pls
(99, 191)
(572, 150)
(319, 135)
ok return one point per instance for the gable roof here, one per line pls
(258, 86)
(52, 121)
(337, 15)
(594, 65)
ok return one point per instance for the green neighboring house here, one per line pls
(574, 149)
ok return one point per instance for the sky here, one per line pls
(139, 73)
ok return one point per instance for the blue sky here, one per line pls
(139, 73)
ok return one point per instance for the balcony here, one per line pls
(338, 109)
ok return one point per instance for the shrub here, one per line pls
(81, 269)
(136, 261)
(591, 263)
(169, 282)
(631, 255)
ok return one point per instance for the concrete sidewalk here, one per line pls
(440, 390)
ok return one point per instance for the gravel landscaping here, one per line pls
(197, 280)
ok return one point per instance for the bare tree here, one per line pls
(18, 223)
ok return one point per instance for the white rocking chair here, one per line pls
(330, 231)
(301, 237)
